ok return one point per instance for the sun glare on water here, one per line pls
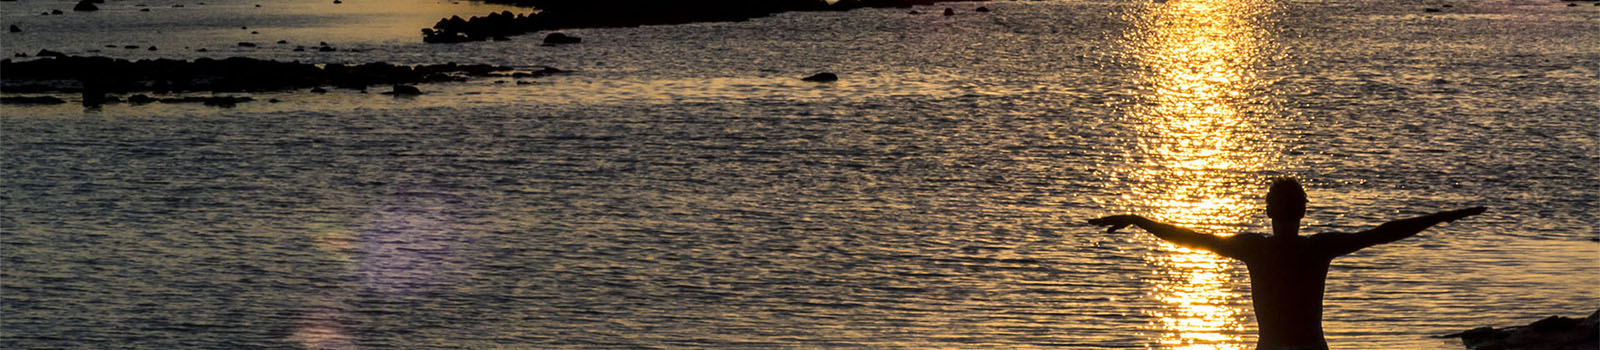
(1204, 146)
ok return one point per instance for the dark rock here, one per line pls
(48, 53)
(571, 14)
(1551, 333)
(177, 6)
(326, 49)
(85, 6)
(949, 11)
(299, 48)
(246, 44)
(822, 77)
(16, 29)
(404, 90)
(542, 72)
(254, 32)
(338, 2)
(152, 48)
(56, 12)
(101, 75)
(981, 9)
(915, 12)
(201, 50)
(561, 39)
(131, 47)
(141, 99)
(19, 54)
(283, 41)
(144, 10)
(31, 100)
(1430, 9)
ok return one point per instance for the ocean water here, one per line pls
(682, 189)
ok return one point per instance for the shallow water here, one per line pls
(682, 189)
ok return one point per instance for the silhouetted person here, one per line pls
(1287, 271)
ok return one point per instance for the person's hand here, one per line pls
(1116, 222)
(1457, 214)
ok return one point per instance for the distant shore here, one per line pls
(571, 14)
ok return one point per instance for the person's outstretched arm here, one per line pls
(1177, 235)
(1398, 230)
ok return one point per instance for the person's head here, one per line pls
(1286, 200)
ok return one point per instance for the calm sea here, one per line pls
(683, 189)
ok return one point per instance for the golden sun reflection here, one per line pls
(1204, 144)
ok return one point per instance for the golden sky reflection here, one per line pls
(1203, 149)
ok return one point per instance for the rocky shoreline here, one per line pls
(572, 14)
(97, 77)
(1550, 333)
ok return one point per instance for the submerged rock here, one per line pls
(821, 77)
(31, 100)
(560, 39)
(404, 90)
(1551, 333)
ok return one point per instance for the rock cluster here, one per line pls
(59, 73)
(95, 77)
(1551, 333)
(569, 14)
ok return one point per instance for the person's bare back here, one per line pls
(1287, 271)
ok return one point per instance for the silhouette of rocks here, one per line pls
(404, 90)
(85, 6)
(571, 14)
(31, 100)
(96, 76)
(560, 39)
(1551, 333)
(822, 77)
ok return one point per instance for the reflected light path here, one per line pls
(1204, 147)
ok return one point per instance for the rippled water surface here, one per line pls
(682, 189)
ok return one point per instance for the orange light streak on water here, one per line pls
(1203, 150)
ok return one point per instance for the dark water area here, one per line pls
(682, 189)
